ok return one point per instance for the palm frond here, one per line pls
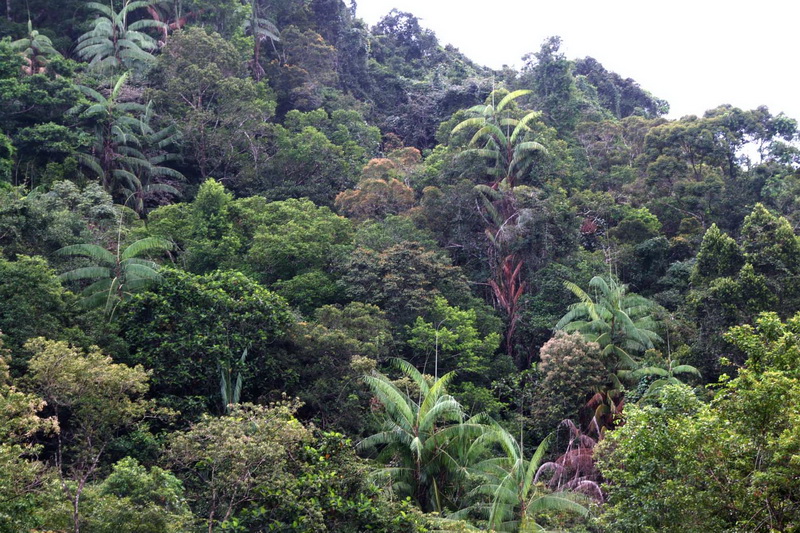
(146, 245)
(92, 251)
(92, 272)
(513, 95)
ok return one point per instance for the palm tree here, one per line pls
(261, 29)
(116, 275)
(35, 48)
(122, 135)
(113, 44)
(509, 493)
(422, 432)
(503, 139)
(664, 374)
(619, 321)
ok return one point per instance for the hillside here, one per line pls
(266, 268)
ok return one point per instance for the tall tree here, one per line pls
(506, 142)
(94, 399)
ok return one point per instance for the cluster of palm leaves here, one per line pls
(36, 49)
(624, 325)
(434, 453)
(509, 494)
(114, 44)
(127, 153)
(114, 276)
(503, 139)
(420, 436)
(619, 321)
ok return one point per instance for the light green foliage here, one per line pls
(771, 344)
(346, 128)
(134, 499)
(211, 242)
(296, 236)
(637, 225)
(662, 471)
(743, 296)
(510, 494)
(422, 433)
(719, 256)
(100, 398)
(448, 339)
(769, 243)
(203, 231)
(289, 245)
(622, 323)
(675, 463)
(24, 481)
(228, 462)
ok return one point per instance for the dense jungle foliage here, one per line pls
(265, 268)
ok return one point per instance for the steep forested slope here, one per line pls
(266, 268)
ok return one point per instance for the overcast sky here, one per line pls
(695, 54)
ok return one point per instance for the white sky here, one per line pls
(695, 54)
